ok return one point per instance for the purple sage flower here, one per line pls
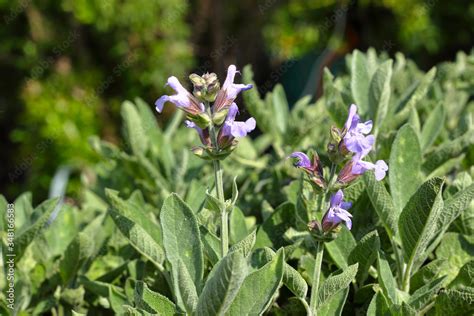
(234, 129)
(203, 133)
(302, 160)
(355, 139)
(229, 91)
(313, 169)
(337, 213)
(356, 167)
(182, 99)
(380, 168)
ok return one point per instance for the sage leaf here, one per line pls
(405, 165)
(258, 288)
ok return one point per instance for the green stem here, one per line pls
(406, 276)
(316, 276)
(398, 261)
(218, 175)
(218, 171)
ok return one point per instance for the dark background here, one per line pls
(67, 65)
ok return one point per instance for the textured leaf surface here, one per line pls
(465, 277)
(146, 298)
(457, 250)
(418, 220)
(237, 226)
(137, 138)
(222, 287)
(442, 153)
(117, 300)
(211, 245)
(382, 202)
(454, 206)
(80, 249)
(455, 302)
(360, 81)
(340, 248)
(378, 306)
(271, 232)
(187, 289)
(386, 279)
(379, 93)
(424, 295)
(139, 239)
(292, 279)
(135, 214)
(334, 103)
(427, 273)
(414, 98)
(405, 164)
(181, 239)
(364, 253)
(280, 108)
(335, 283)
(29, 234)
(334, 305)
(432, 127)
(258, 288)
(245, 245)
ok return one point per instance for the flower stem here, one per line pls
(218, 171)
(407, 275)
(316, 276)
(218, 175)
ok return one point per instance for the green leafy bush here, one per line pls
(146, 235)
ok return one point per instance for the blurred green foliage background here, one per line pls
(67, 65)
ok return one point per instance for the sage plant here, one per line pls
(347, 149)
(212, 112)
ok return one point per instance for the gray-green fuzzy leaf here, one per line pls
(340, 248)
(258, 288)
(386, 279)
(147, 299)
(79, 250)
(246, 245)
(182, 240)
(405, 164)
(135, 135)
(187, 289)
(335, 283)
(292, 279)
(222, 287)
(360, 81)
(271, 232)
(364, 253)
(29, 234)
(432, 127)
(426, 274)
(382, 202)
(418, 220)
(139, 239)
(379, 92)
(423, 296)
(455, 302)
(447, 150)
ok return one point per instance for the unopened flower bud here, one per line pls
(346, 175)
(198, 151)
(212, 86)
(219, 117)
(202, 119)
(205, 87)
(314, 226)
(335, 135)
